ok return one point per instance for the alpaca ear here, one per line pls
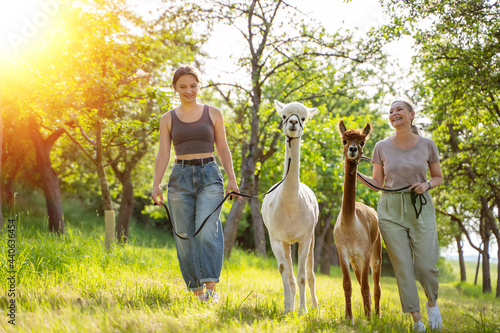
(311, 112)
(279, 106)
(342, 128)
(367, 130)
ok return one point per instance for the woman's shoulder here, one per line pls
(168, 114)
(166, 118)
(214, 112)
(213, 109)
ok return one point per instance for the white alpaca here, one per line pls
(291, 212)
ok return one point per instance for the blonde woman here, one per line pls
(410, 235)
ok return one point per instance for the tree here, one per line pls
(169, 40)
(284, 61)
(459, 48)
(18, 149)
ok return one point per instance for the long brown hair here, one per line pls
(410, 108)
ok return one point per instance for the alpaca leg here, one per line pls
(376, 266)
(365, 288)
(287, 248)
(277, 247)
(346, 284)
(301, 273)
(311, 280)
(356, 269)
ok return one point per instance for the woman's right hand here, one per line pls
(157, 196)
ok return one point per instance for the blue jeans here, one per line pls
(194, 191)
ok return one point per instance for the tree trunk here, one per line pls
(48, 178)
(496, 231)
(234, 216)
(323, 243)
(109, 213)
(485, 232)
(328, 252)
(127, 203)
(259, 233)
(461, 260)
(486, 269)
(477, 268)
(126, 208)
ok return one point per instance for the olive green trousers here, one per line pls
(412, 245)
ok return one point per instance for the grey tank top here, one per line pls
(195, 137)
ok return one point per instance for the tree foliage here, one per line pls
(286, 57)
(458, 56)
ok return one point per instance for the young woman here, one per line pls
(195, 187)
(411, 241)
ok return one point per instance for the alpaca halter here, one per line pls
(290, 138)
(356, 161)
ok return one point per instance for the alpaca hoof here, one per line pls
(302, 310)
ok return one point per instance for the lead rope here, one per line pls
(289, 139)
(414, 196)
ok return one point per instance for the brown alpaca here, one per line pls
(356, 232)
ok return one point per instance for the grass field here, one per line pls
(71, 284)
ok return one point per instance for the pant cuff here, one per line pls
(417, 309)
(209, 280)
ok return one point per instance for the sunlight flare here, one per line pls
(23, 21)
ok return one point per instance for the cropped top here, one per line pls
(195, 137)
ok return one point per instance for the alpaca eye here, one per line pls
(362, 144)
(345, 142)
(284, 117)
(303, 118)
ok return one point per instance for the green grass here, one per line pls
(71, 284)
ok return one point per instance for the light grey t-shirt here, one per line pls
(403, 167)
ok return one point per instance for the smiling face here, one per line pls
(400, 115)
(187, 86)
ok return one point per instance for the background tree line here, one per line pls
(80, 111)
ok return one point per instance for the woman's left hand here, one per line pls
(419, 188)
(232, 186)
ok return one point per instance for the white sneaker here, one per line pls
(419, 327)
(434, 316)
(211, 295)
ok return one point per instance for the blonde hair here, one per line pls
(410, 108)
(186, 70)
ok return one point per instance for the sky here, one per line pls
(332, 14)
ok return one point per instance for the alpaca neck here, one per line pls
(349, 196)
(291, 183)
